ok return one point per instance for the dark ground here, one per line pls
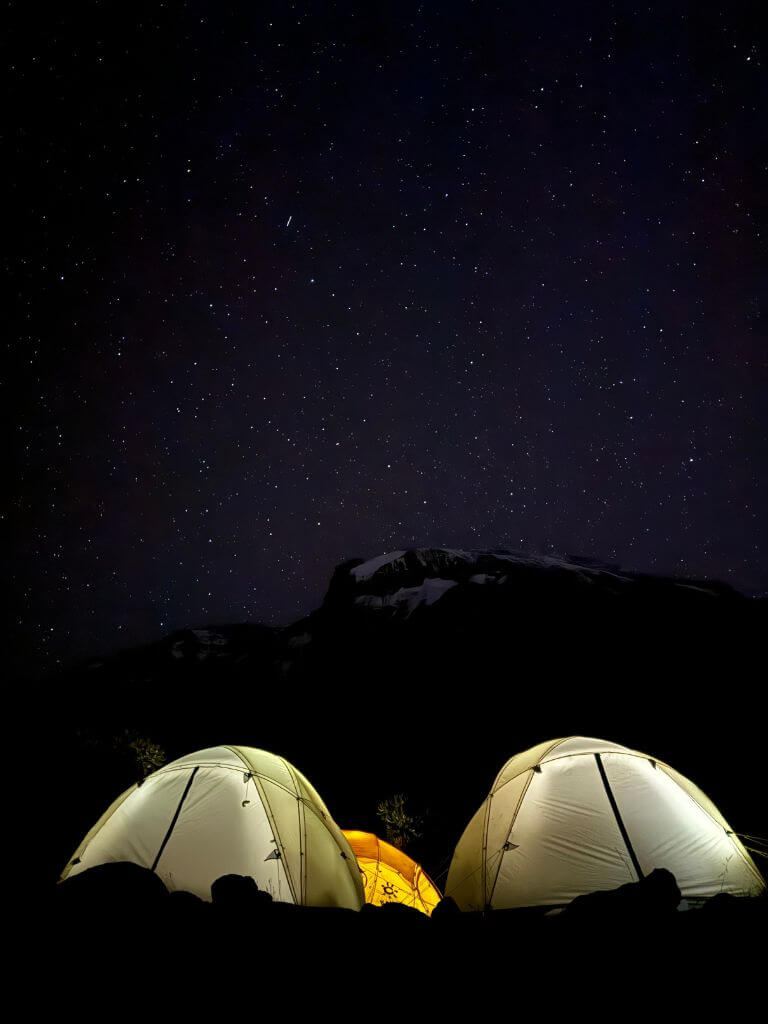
(132, 942)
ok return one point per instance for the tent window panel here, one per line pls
(565, 841)
(216, 835)
(670, 831)
(137, 828)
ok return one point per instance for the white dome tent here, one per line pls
(229, 810)
(577, 815)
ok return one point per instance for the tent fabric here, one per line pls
(391, 876)
(229, 810)
(577, 815)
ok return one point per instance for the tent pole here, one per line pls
(619, 822)
(175, 818)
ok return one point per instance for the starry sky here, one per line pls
(298, 282)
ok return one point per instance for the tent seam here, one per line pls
(256, 776)
(750, 864)
(580, 753)
(488, 899)
(77, 853)
(509, 831)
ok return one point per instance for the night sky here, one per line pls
(298, 282)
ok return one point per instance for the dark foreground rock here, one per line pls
(117, 935)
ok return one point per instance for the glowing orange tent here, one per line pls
(390, 876)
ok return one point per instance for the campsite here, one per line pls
(573, 845)
(386, 560)
(552, 731)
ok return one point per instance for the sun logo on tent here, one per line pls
(389, 891)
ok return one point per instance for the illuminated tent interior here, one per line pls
(390, 876)
(229, 810)
(576, 815)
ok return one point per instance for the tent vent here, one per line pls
(653, 763)
(510, 846)
(75, 861)
(275, 855)
(537, 768)
(247, 776)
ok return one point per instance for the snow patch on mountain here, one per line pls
(447, 562)
(408, 599)
(394, 562)
(367, 569)
(200, 644)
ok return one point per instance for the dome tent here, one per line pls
(229, 810)
(577, 815)
(391, 876)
